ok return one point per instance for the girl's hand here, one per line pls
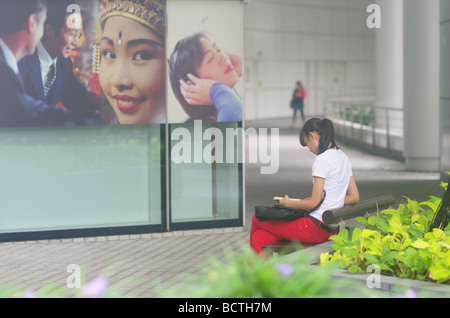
(196, 92)
(284, 201)
(237, 63)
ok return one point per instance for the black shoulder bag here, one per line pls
(277, 212)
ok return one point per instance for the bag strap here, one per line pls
(320, 203)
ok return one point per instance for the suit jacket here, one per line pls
(66, 89)
(17, 109)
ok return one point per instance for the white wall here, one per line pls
(324, 43)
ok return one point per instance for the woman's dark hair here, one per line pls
(14, 13)
(324, 127)
(186, 58)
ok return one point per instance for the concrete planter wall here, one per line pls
(393, 284)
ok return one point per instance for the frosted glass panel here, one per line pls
(80, 177)
(201, 190)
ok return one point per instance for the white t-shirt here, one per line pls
(333, 166)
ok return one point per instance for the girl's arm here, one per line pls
(210, 92)
(229, 107)
(352, 196)
(308, 203)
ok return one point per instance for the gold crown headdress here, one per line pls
(151, 13)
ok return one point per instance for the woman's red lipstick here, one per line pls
(229, 69)
(127, 104)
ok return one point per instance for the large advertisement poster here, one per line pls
(131, 68)
(104, 62)
(85, 62)
(205, 53)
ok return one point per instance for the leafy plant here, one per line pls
(245, 275)
(365, 116)
(398, 241)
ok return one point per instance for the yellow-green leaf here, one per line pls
(415, 217)
(324, 258)
(420, 244)
(395, 224)
(389, 211)
(439, 234)
(356, 234)
(431, 205)
(439, 273)
(370, 233)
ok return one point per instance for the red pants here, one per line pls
(302, 230)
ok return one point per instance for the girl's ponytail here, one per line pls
(326, 136)
(324, 127)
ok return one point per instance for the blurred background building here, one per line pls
(386, 88)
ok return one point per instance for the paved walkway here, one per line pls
(171, 258)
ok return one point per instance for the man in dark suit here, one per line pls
(48, 73)
(21, 29)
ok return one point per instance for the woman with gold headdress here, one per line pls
(131, 58)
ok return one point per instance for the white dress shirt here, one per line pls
(45, 60)
(9, 57)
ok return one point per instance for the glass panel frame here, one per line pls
(98, 230)
(211, 207)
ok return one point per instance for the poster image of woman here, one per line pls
(131, 61)
(203, 76)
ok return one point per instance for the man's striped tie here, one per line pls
(50, 79)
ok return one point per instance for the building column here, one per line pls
(421, 85)
(389, 70)
(389, 55)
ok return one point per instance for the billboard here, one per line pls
(120, 62)
(205, 52)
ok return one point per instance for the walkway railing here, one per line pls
(359, 119)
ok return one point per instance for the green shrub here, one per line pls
(398, 241)
(365, 116)
(245, 275)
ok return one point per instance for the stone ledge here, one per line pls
(125, 237)
(389, 283)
